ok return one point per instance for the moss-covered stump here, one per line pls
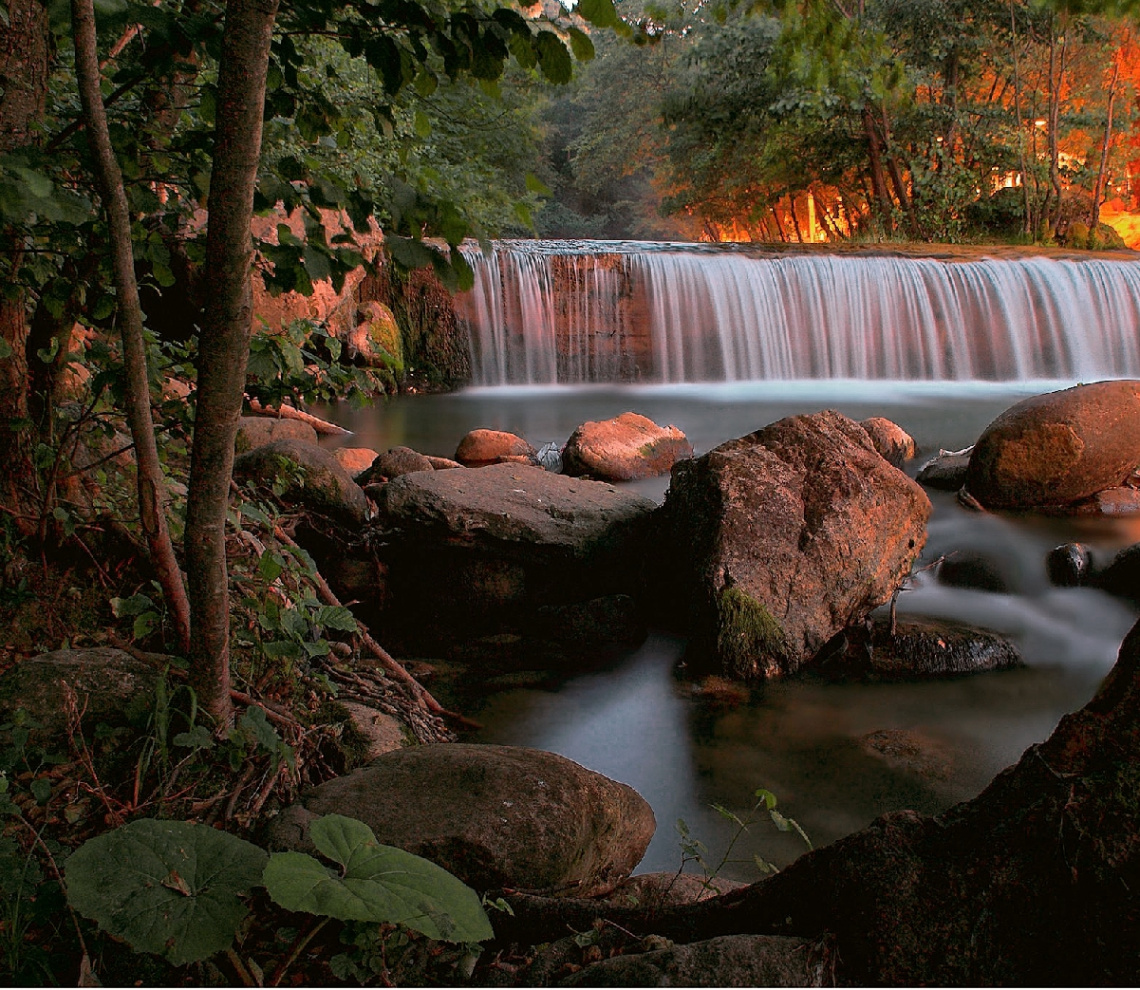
(785, 537)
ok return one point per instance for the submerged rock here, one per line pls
(495, 816)
(1069, 565)
(979, 570)
(625, 448)
(946, 471)
(1122, 576)
(921, 648)
(1058, 448)
(786, 537)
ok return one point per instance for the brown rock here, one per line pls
(256, 431)
(1110, 502)
(355, 460)
(892, 442)
(495, 816)
(375, 340)
(624, 448)
(314, 478)
(788, 536)
(906, 749)
(395, 463)
(442, 463)
(482, 447)
(1058, 448)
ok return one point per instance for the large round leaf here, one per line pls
(375, 883)
(170, 888)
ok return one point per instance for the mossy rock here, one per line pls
(749, 640)
(110, 686)
(1105, 237)
(384, 332)
(1077, 236)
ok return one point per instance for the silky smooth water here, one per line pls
(589, 312)
(803, 739)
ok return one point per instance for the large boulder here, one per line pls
(788, 536)
(355, 460)
(109, 685)
(1058, 448)
(472, 553)
(495, 816)
(393, 463)
(482, 447)
(313, 478)
(624, 448)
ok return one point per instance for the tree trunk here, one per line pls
(1102, 171)
(1034, 882)
(25, 50)
(224, 341)
(882, 198)
(1028, 226)
(152, 495)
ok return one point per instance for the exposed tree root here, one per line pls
(1035, 881)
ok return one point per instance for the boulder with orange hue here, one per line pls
(890, 440)
(786, 537)
(355, 460)
(1058, 448)
(625, 448)
(483, 447)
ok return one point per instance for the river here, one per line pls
(805, 740)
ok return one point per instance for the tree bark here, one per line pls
(882, 198)
(153, 500)
(224, 341)
(1034, 882)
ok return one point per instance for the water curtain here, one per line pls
(546, 312)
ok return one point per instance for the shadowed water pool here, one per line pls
(837, 755)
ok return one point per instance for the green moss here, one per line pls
(749, 639)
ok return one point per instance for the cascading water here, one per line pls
(557, 312)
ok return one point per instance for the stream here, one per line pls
(836, 754)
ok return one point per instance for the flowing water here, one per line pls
(914, 342)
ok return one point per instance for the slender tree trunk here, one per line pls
(224, 341)
(1028, 225)
(25, 50)
(152, 495)
(882, 198)
(1102, 171)
(795, 219)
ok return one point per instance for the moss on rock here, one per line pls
(750, 641)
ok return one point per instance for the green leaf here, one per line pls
(422, 124)
(600, 13)
(377, 883)
(170, 888)
(269, 566)
(553, 58)
(581, 45)
(197, 738)
(535, 185)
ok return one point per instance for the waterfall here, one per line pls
(557, 312)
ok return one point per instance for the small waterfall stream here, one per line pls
(546, 312)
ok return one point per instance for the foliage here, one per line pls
(375, 883)
(170, 888)
(174, 888)
(693, 850)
